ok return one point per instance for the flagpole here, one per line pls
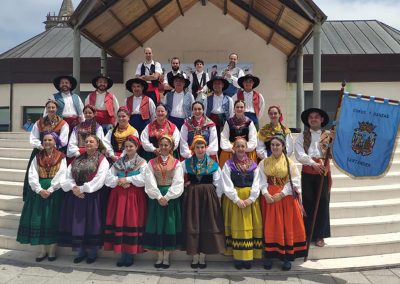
(321, 183)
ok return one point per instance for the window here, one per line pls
(4, 119)
(32, 112)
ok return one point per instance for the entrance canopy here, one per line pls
(121, 26)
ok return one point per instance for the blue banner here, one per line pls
(365, 135)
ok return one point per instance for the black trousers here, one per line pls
(309, 185)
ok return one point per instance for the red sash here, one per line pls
(109, 104)
(153, 89)
(72, 121)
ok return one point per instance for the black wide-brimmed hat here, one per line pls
(255, 79)
(218, 78)
(110, 82)
(72, 81)
(306, 113)
(178, 76)
(128, 84)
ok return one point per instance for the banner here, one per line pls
(365, 135)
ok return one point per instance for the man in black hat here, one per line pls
(310, 149)
(232, 73)
(175, 65)
(254, 101)
(70, 106)
(104, 101)
(179, 102)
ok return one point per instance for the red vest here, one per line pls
(108, 102)
(144, 106)
(256, 100)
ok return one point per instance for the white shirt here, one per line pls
(69, 109)
(234, 79)
(100, 105)
(199, 76)
(147, 68)
(149, 147)
(217, 105)
(173, 74)
(34, 136)
(136, 180)
(248, 100)
(226, 145)
(262, 150)
(73, 149)
(177, 104)
(184, 147)
(313, 152)
(136, 106)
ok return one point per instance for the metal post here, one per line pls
(10, 125)
(103, 62)
(300, 88)
(317, 65)
(77, 59)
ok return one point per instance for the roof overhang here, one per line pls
(121, 26)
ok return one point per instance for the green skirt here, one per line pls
(40, 217)
(163, 225)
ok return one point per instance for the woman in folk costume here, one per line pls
(41, 213)
(203, 224)
(241, 207)
(49, 123)
(76, 145)
(164, 186)
(280, 184)
(269, 130)
(81, 222)
(155, 130)
(198, 124)
(141, 108)
(254, 100)
(115, 138)
(127, 204)
(238, 125)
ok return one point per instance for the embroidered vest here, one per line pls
(235, 132)
(187, 103)
(256, 100)
(240, 179)
(61, 104)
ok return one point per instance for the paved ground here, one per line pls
(12, 271)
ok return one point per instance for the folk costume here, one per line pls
(145, 69)
(115, 138)
(264, 139)
(243, 227)
(206, 128)
(310, 148)
(198, 83)
(236, 74)
(234, 128)
(142, 109)
(42, 126)
(203, 224)
(127, 206)
(81, 222)
(106, 104)
(284, 232)
(254, 101)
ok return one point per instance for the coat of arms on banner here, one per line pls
(364, 138)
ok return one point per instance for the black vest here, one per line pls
(152, 71)
(196, 85)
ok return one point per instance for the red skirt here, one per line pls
(284, 232)
(103, 117)
(125, 221)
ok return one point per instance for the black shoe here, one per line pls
(40, 259)
(267, 264)
(90, 260)
(286, 266)
(165, 266)
(128, 263)
(194, 265)
(158, 265)
(203, 265)
(52, 258)
(246, 264)
(79, 259)
(120, 263)
(238, 264)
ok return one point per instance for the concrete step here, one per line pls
(357, 209)
(360, 193)
(15, 143)
(12, 174)
(15, 135)
(11, 203)
(354, 246)
(365, 225)
(11, 188)
(15, 153)
(342, 180)
(9, 219)
(394, 167)
(14, 163)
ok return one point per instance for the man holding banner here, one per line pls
(310, 149)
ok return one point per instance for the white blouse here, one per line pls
(94, 185)
(149, 147)
(136, 180)
(313, 152)
(73, 149)
(184, 147)
(226, 145)
(217, 180)
(34, 136)
(262, 150)
(108, 145)
(287, 189)
(229, 188)
(151, 187)
(55, 182)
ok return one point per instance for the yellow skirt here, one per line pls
(225, 156)
(243, 228)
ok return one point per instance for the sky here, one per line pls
(20, 20)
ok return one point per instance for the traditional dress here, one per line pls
(81, 222)
(203, 224)
(127, 207)
(310, 148)
(149, 69)
(163, 178)
(233, 128)
(254, 105)
(284, 232)
(206, 128)
(219, 109)
(142, 110)
(153, 132)
(179, 107)
(198, 81)
(44, 125)
(243, 227)
(106, 105)
(115, 138)
(76, 145)
(40, 217)
(264, 139)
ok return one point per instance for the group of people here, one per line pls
(189, 170)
